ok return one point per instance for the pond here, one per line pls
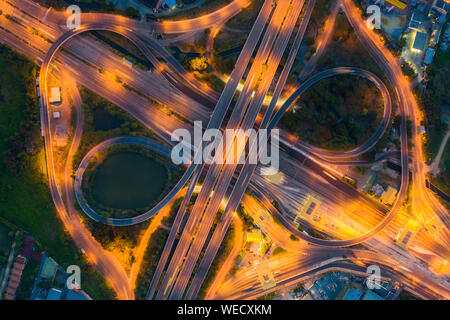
(128, 180)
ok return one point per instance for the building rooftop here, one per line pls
(420, 41)
(397, 3)
(388, 196)
(254, 236)
(369, 295)
(327, 288)
(48, 268)
(77, 295)
(55, 95)
(370, 178)
(441, 5)
(21, 260)
(352, 294)
(170, 3)
(54, 294)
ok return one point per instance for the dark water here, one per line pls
(128, 180)
(104, 121)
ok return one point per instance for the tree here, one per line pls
(397, 121)
(132, 13)
(198, 64)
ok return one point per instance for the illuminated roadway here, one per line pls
(234, 199)
(230, 88)
(104, 261)
(261, 88)
(45, 65)
(294, 268)
(395, 77)
(181, 250)
(182, 182)
(402, 157)
(59, 18)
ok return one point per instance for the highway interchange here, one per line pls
(281, 21)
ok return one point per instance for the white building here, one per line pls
(55, 95)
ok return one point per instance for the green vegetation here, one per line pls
(117, 239)
(149, 3)
(433, 101)
(104, 120)
(359, 170)
(24, 194)
(318, 17)
(383, 143)
(224, 65)
(245, 19)
(6, 239)
(224, 250)
(168, 220)
(247, 220)
(345, 49)
(198, 64)
(311, 232)
(408, 71)
(336, 113)
(299, 288)
(185, 51)
(123, 47)
(266, 245)
(150, 262)
(211, 79)
(227, 46)
(276, 205)
(152, 254)
(268, 296)
(278, 250)
(315, 234)
(406, 295)
(132, 13)
(293, 237)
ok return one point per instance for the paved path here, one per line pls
(434, 166)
